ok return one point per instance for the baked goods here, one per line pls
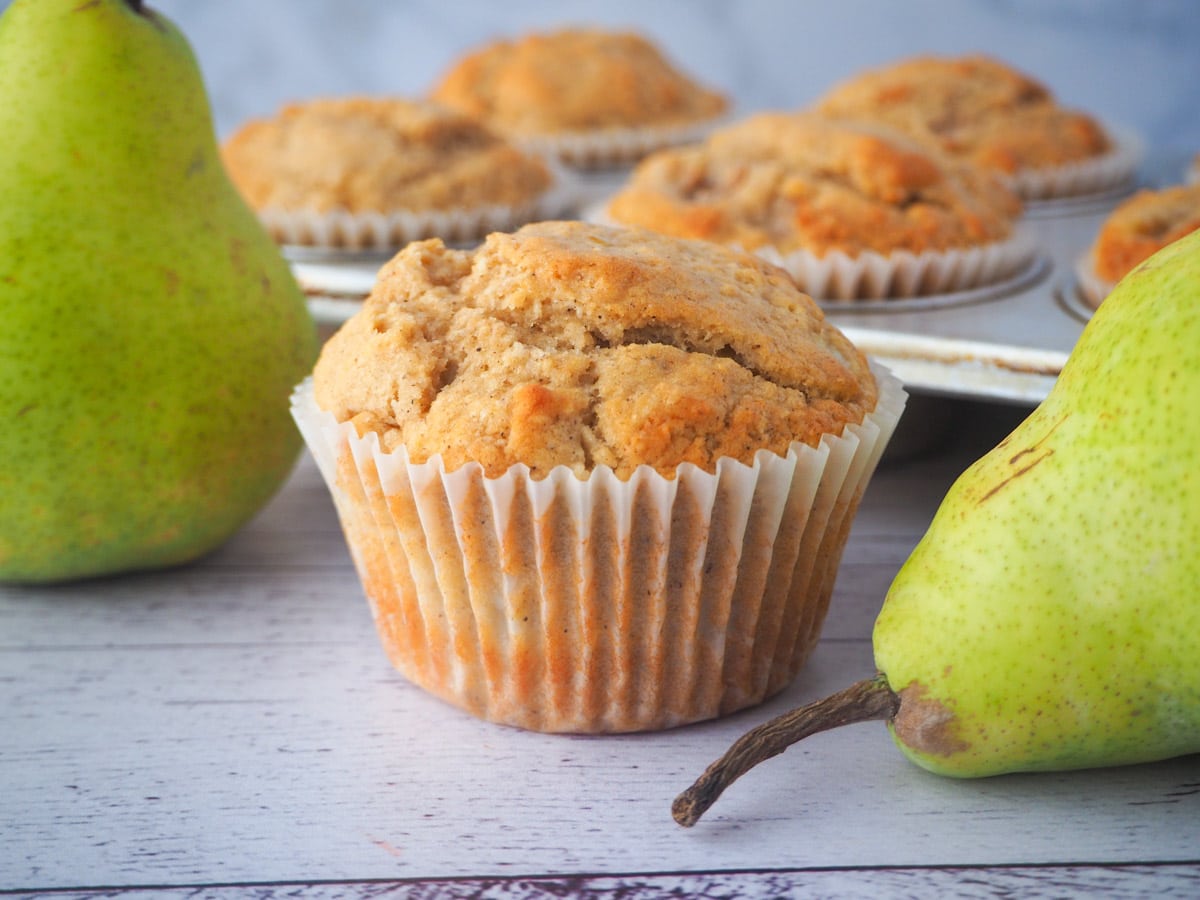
(379, 172)
(1136, 229)
(595, 479)
(982, 110)
(592, 96)
(807, 190)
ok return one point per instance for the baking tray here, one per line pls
(1004, 343)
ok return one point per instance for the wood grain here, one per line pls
(232, 728)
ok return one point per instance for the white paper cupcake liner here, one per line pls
(599, 605)
(1092, 288)
(387, 231)
(1091, 176)
(841, 277)
(838, 276)
(613, 147)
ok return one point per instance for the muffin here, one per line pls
(1135, 230)
(375, 173)
(853, 210)
(984, 111)
(592, 97)
(594, 479)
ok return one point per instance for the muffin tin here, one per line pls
(1006, 342)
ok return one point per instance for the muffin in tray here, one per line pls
(1136, 229)
(592, 97)
(993, 115)
(595, 479)
(368, 173)
(853, 210)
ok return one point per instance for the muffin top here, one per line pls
(579, 79)
(804, 181)
(566, 343)
(377, 155)
(1142, 225)
(974, 107)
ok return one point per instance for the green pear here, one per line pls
(1049, 619)
(151, 329)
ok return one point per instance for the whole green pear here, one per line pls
(151, 331)
(1049, 619)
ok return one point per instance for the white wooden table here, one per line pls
(232, 729)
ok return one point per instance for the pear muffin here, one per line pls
(595, 479)
(595, 97)
(378, 172)
(1136, 229)
(806, 189)
(984, 111)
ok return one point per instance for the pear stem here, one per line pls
(868, 700)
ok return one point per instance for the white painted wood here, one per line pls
(234, 723)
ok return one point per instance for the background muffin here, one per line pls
(613, 471)
(984, 111)
(595, 97)
(378, 172)
(1136, 229)
(806, 190)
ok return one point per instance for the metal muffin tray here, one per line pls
(1005, 342)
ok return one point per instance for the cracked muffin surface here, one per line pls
(574, 79)
(372, 154)
(573, 344)
(807, 181)
(974, 107)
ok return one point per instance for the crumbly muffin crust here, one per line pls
(572, 344)
(1142, 225)
(363, 154)
(574, 80)
(804, 181)
(974, 107)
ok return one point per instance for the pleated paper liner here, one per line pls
(1101, 174)
(347, 234)
(1092, 289)
(841, 277)
(838, 276)
(609, 148)
(600, 604)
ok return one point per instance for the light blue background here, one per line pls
(1133, 62)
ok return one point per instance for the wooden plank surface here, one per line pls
(232, 728)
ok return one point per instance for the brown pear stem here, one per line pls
(868, 700)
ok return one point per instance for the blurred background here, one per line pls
(1131, 62)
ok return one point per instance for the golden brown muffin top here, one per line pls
(565, 343)
(378, 155)
(803, 181)
(974, 107)
(579, 79)
(1142, 225)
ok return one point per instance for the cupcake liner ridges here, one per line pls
(838, 276)
(610, 147)
(382, 231)
(599, 605)
(1092, 288)
(1102, 173)
(870, 275)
